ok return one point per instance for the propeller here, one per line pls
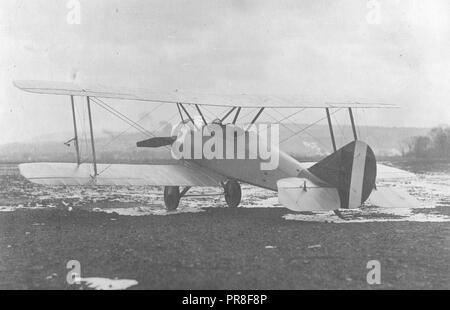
(157, 142)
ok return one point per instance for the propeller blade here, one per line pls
(157, 142)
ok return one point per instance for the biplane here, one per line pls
(343, 180)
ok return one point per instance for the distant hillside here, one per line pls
(314, 142)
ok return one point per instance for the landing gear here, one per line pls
(233, 193)
(232, 190)
(172, 196)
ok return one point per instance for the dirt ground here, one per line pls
(219, 249)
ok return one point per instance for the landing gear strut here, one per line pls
(233, 193)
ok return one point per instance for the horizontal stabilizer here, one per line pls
(157, 142)
(392, 197)
(300, 194)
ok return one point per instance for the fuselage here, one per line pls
(244, 155)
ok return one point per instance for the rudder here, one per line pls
(352, 170)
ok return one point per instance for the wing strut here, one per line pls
(201, 114)
(353, 123)
(236, 116)
(331, 129)
(255, 119)
(228, 114)
(92, 136)
(187, 113)
(179, 111)
(75, 139)
(257, 116)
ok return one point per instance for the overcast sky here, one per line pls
(374, 51)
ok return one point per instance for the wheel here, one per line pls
(171, 197)
(233, 193)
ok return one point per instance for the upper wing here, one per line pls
(136, 175)
(241, 100)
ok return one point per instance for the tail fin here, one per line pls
(352, 170)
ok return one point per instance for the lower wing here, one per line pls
(70, 174)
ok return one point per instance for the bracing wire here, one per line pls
(121, 116)
(126, 119)
(309, 126)
(297, 133)
(173, 116)
(204, 108)
(246, 114)
(289, 116)
(126, 130)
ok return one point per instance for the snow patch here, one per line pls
(370, 215)
(108, 284)
(143, 210)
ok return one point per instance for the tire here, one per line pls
(171, 197)
(233, 193)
